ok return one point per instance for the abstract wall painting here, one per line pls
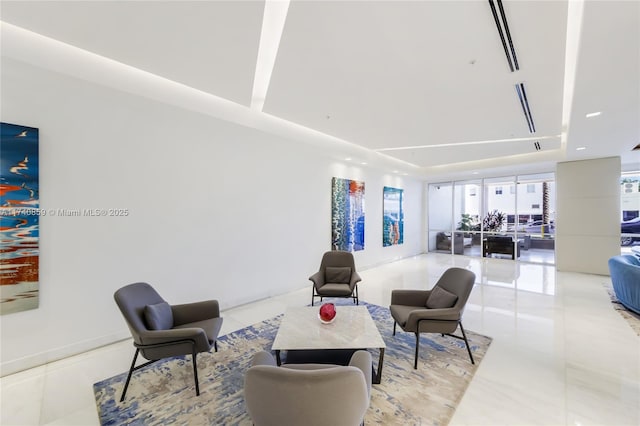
(392, 217)
(19, 218)
(347, 215)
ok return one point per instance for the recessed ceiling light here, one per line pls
(593, 114)
(363, 163)
(474, 173)
(395, 171)
(347, 159)
(581, 148)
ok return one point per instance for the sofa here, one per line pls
(625, 276)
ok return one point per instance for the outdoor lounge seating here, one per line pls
(625, 276)
(500, 244)
(443, 242)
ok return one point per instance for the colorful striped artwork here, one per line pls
(392, 217)
(347, 215)
(19, 218)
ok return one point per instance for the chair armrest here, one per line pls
(362, 360)
(355, 279)
(193, 312)
(151, 337)
(410, 297)
(317, 279)
(263, 358)
(447, 314)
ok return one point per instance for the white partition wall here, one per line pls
(232, 209)
(588, 216)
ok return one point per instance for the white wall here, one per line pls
(588, 215)
(217, 209)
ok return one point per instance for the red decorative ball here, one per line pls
(327, 312)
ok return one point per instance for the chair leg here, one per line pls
(464, 336)
(415, 363)
(356, 298)
(215, 345)
(394, 328)
(126, 384)
(195, 373)
(313, 295)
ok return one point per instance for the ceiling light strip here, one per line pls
(522, 95)
(505, 35)
(575, 11)
(275, 15)
(444, 145)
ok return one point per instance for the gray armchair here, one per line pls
(308, 394)
(438, 310)
(337, 277)
(161, 330)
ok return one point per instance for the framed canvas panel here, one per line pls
(392, 217)
(19, 218)
(347, 215)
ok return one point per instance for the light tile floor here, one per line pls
(560, 354)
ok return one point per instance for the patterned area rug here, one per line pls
(164, 392)
(631, 317)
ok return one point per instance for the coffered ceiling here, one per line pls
(425, 82)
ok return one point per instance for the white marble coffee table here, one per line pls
(353, 328)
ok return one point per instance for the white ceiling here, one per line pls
(426, 82)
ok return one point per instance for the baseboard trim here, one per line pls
(42, 358)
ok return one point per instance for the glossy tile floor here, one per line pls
(561, 355)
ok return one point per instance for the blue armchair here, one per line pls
(625, 276)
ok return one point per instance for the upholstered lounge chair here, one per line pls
(438, 310)
(308, 394)
(337, 277)
(161, 330)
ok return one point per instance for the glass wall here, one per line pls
(630, 209)
(467, 204)
(510, 217)
(500, 205)
(536, 202)
(440, 217)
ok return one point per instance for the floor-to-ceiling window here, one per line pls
(467, 203)
(630, 210)
(536, 206)
(498, 213)
(440, 217)
(509, 217)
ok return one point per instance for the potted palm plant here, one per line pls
(471, 227)
(494, 221)
(468, 223)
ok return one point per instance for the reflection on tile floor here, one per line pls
(561, 355)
